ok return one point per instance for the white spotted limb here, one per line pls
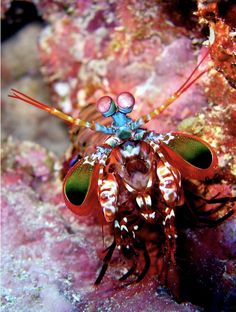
(107, 194)
(169, 179)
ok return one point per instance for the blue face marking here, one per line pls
(121, 125)
(120, 119)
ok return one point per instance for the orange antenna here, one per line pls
(53, 111)
(146, 118)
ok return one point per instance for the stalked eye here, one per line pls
(106, 106)
(125, 102)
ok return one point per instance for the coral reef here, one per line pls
(87, 49)
(219, 15)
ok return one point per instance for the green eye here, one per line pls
(78, 183)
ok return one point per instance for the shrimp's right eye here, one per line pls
(106, 106)
(125, 101)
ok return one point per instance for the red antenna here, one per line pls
(53, 111)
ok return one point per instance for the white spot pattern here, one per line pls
(167, 184)
(108, 192)
(139, 201)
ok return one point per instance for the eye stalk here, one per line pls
(106, 106)
(125, 102)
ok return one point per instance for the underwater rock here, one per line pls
(219, 16)
(208, 265)
(21, 70)
(20, 54)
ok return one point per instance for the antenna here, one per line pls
(53, 111)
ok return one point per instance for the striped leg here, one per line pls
(124, 231)
(170, 272)
(106, 261)
(170, 188)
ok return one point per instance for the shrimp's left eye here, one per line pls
(125, 101)
(106, 106)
